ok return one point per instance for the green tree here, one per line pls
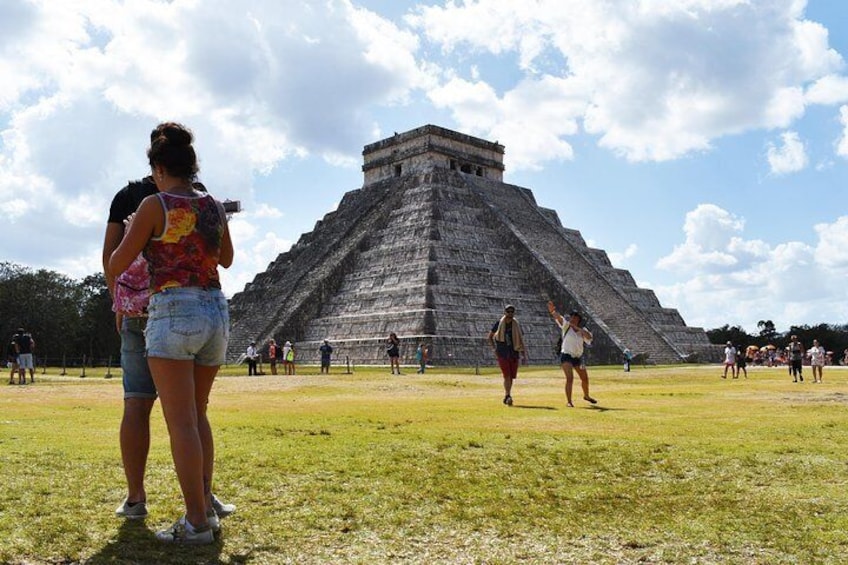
(733, 334)
(97, 336)
(768, 333)
(44, 303)
(68, 319)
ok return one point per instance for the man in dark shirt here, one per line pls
(24, 344)
(326, 351)
(507, 341)
(12, 360)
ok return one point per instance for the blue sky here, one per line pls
(702, 143)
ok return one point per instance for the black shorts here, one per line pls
(574, 361)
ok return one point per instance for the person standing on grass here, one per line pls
(421, 355)
(25, 346)
(628, 357)
(131, 315)
(272, 356)
(796, 359)
(288, 358)
(184, 236)
(393, 351)
(252, 357)
(817, 359)
(574, 338)
(741, 362)
(729, 360)
(507, 342)
(326, 351)
(12, 360)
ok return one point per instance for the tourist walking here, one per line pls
(507, 342)
(574, 340)
(796, 359)
(741, 362)
(184, 235)
(729, 360)
(393, 351)
(817, 355)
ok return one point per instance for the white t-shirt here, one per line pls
(817, 355)
(572, 341)
(729, 355)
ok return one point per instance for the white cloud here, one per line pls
(619, 258)
(791, 157)
(749, 280)
(828, 90)
(735, 66)
(842, 143)
(710, 233)
(832, 250)
(253, 255)
(534, 117)
(258, 82)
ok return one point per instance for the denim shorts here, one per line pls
(188, 324)
(25, 361)
(137, 380)
(574, 361)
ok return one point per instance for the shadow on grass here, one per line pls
(602, 408)
(136, 543)
(528, 407)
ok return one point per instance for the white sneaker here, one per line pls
(134, 511)
(221, 509)
(182, 532)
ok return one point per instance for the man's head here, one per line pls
(509, 311)
(794, 338)
(575, 317)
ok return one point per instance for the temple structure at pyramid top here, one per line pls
(432, 146)
(432, 247)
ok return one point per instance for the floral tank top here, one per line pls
(188, 251)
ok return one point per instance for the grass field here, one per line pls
(674, 465)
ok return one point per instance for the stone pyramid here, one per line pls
(432, 247)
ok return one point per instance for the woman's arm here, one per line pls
(556, 315)
(141, 228)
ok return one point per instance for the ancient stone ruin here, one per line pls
(432, 247)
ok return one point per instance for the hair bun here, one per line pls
(177, 134)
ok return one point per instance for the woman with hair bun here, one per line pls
(184, 237)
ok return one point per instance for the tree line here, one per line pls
(832, 337)
(72, 320)
(69, 319)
